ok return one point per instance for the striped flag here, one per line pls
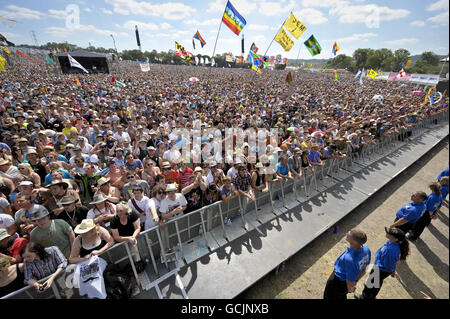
(232, 19)
(199, 38)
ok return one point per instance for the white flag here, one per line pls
(145, 67)
(363, 74)
(75, 64)
(213, 62)
(358, 74)
(202, 61)
(197, 61)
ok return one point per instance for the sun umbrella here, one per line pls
(194, 79)
(417, 92)
(293, 129)
(318, 133)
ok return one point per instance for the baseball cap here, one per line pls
(396, 232)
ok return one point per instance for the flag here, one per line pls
(243, 49)
(3, 39)
(289, 78)
(278, 59)
(193, 44)
(145, 67)
(232, 19)
(2, 64)
(120, 84)
(199, 38)
(335, 75)
(358, 74)
(294, 26)
(229, 58)
(272, 59)
(363, 74)
(284, 40)
(335, 48)
(256, 69)
(313, 46)
(78, 81)
(20, 53)
(137, 37)
(5, 49)
(372, 74)
(47, 59)
(75, 64)
(408, 64)
(256, 61)
(265, 60)
(254, 48)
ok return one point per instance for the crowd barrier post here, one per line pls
(162, 250)
(222, 223)
(133, 267)
(152, 257)
(179, 238)
(204, 228)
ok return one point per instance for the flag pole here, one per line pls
(214, 51)
(275, 37)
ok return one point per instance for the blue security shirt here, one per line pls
(444, 193)
(433, 202)
(283, 170)
(351, 263)
(445, 172)
(387, 256)
(411, 212)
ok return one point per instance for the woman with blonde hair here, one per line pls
(11, 276)
(28, 174)
(91, 240)
(150, 171)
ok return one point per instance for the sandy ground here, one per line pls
(426, 268)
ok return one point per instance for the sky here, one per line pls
(416, 25)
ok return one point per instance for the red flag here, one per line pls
(113, 80)
(18, 52)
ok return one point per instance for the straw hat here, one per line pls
(3, 162)
(99, 198)
(171, 188)
(103, 181)
(85, 226)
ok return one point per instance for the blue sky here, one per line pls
(414, 25)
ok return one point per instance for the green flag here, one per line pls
(47, 58)
(313, 46)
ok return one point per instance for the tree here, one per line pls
(360, 57)
(401, 57)
(342, 61)
(430, 58)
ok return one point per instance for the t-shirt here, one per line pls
(194, 199)
(54, 235)
(128, 187)
(143, 204)
(149, 223)
(411, 212)
(6, 221)
(136, 164)
(445, 172)
(351, 263)
(314, 157)
(168, 205)
(88, 277)
(3, 204)
(282, 169)
(14, 247)
(433, 202)
(226, 191)
(74, 218)
(387, 256)
(125, 230)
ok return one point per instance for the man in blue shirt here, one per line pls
(445, 172)
(409, 214)
(349, 267)
(283, 168)
(314, 156)
(386, 260)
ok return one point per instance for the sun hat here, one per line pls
(39, 212)
(3, 161)
(99, 198)
(103, 181)
(198, 169)
(26, 183)
(57, 182)
(166, 165)
(3, 234)
(85, 226)
(171, 188)
(68, 199)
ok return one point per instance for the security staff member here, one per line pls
(409, 214)
(349, 267)
(432, 205)
(387, 258)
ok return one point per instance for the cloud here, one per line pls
(87, 10)
(169, 10)
(361, 13)
(357, 37)
(310, 16)
(210, 22)
(131, 25)
(258, 27)
(275, 8)
(417, 23)
(324, 3)
(57, 14)
(22, 13)
(440, 5)
(106, 11)
(441, 18)
(242, 6)
(402, 41)
(64, 32)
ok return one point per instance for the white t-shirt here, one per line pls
(143, 204)
(149, 223)
(6, 221)
(89, 278)
(3, 204)
(122, 137)
(168, 205)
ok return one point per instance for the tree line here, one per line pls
(387, 61)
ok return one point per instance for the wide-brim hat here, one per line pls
(171, 188)
(86, 226)
(39, 212)
(67, 200)
(99, 198)
(166, 165)
(3, 161)
(103, 181)
(57, 182)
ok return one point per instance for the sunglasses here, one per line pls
(130, 177)
(66, 205)
(22, 168)
(161, 193)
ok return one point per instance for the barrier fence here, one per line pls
(186, 238)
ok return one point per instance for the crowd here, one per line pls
(83, 167)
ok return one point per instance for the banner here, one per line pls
(278, 59)
(145, 67)
(294, 26)
(229, 58)
(284, 40)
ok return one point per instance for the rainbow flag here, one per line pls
(335, 48)
(233, 19)
(199, 38)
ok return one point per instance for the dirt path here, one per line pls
(426, 269)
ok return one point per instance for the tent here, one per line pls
(91, 61)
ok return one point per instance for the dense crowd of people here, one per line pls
(83, 167)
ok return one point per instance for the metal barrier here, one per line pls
(209, 226)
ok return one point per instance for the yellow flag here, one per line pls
(2, 64)
(78, 81)
(372, 74)
(294, 26)
(408, 64)
(284, 40)
(5, 49)
(256, 69)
